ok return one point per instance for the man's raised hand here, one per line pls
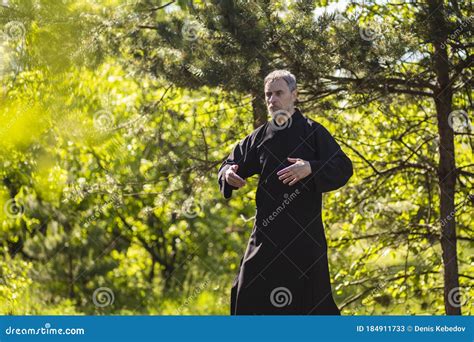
(232, 178)
(293, 173)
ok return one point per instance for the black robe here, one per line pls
(284, 270)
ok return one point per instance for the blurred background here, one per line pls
(115, 116)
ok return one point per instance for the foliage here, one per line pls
(115, 118)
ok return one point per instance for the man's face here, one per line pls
(278, 97)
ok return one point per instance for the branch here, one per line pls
(361, 156)
(461, 66)
(142, 241)
(153, 9)
(374, 83)
(359, 295)
(147, 27)
(465, 173)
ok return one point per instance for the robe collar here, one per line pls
(293, 118)
(273, 129)
(297, 115)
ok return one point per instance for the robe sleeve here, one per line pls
(244, 154)
(331, 169)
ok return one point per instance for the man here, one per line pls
(285, 268)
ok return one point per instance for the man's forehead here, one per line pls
(276, 85)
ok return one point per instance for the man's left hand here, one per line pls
(293, 173)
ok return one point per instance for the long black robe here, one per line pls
(284, 270)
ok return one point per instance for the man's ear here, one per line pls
(294, 94)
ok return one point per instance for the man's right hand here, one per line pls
(232, 178)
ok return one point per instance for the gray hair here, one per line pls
(281, 74)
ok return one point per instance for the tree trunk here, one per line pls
(446, 168)
(70, 274)
(151, 276)
(259, 109)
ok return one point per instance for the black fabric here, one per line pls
(284, 270)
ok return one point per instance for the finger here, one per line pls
(285, 170)
(232, 178)
(294, 181)
(235, 183)
(289, 179)
(236, 179)
(286, 175)
(293, 160)
(234, 167)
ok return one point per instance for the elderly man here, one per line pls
(284, 270)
